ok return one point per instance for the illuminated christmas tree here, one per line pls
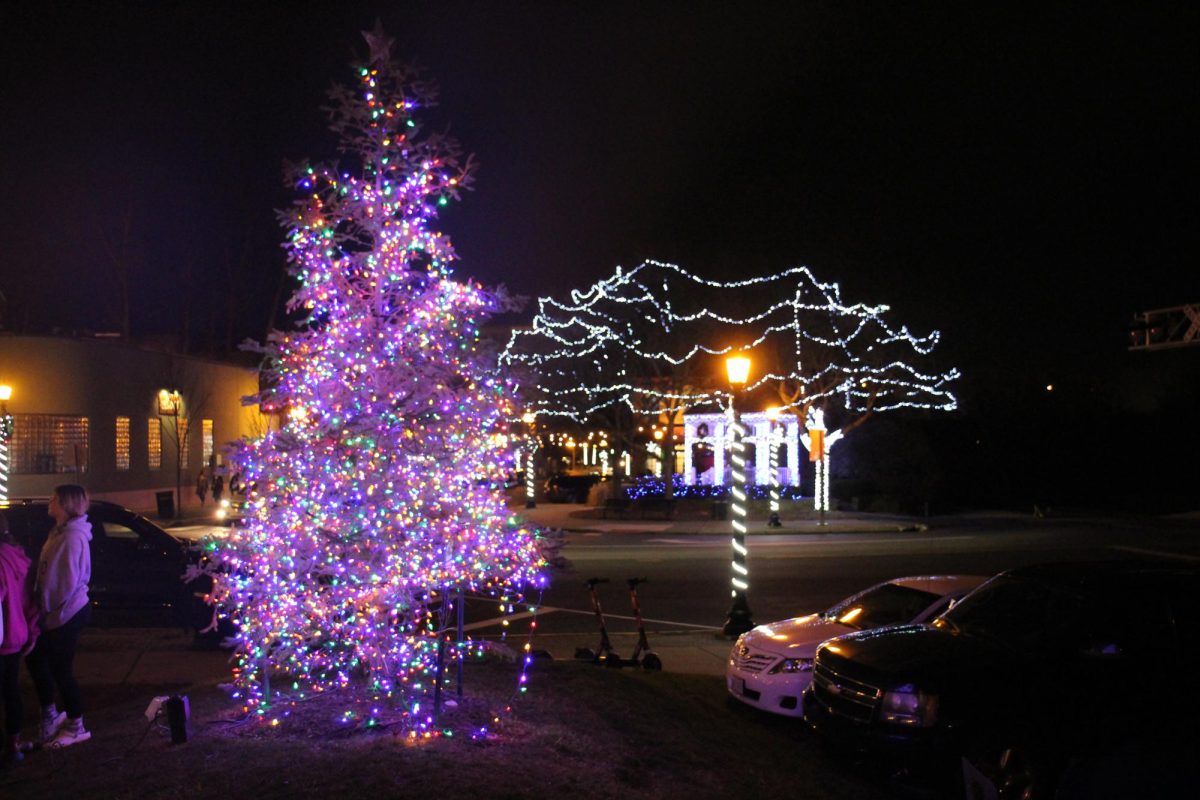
(376, 499)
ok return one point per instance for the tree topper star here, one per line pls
(379, 42)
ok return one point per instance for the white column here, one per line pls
(762, 453)
(718, 446)
(689, 440)
(793, 452)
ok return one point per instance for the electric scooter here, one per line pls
(642, 653)
(603, 654)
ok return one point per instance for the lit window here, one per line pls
(154, 443)
(46, 444)
(122, 443)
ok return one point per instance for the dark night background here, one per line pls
(1019, 177)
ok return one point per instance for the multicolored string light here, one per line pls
(377, 501)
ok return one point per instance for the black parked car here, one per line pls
(137, 567)
(570, 488)
(1059, 680)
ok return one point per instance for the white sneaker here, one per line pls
(52, 721)
(71, 733)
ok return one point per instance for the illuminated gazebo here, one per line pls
(712, 431)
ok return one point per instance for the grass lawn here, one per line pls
(580, 732)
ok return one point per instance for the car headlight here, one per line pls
(792, 665)
(908, 705)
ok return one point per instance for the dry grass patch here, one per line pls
(581, 731)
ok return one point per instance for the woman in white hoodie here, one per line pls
(63, 571)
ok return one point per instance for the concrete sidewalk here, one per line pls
(699, 652)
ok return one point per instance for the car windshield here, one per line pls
(888, 604)
(1017, 612)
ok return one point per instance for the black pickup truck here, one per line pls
(1067, 680)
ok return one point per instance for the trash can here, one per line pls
(720, 509)
(166, 504)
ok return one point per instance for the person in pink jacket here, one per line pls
(18, 633)
(63, 571)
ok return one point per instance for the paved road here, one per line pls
(687, 596)
(796, 573)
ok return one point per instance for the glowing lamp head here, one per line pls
(168, 402)
(5, 393)
(773, 413)
(528, 417)
(738, 368)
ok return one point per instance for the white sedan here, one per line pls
(771, 666)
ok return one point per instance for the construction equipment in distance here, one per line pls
(1177, 326)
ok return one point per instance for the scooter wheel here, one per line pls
(651, 662)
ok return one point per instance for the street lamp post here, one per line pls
(817, 444)
(6, 429)
(169, 401)
(738, 620)
(530, 458)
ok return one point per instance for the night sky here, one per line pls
(1019, 178)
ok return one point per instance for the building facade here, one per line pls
(124, 422)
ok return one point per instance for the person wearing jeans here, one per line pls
(64, 569)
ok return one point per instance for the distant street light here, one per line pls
(738, 369)
(738, 620)
(169, 401)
